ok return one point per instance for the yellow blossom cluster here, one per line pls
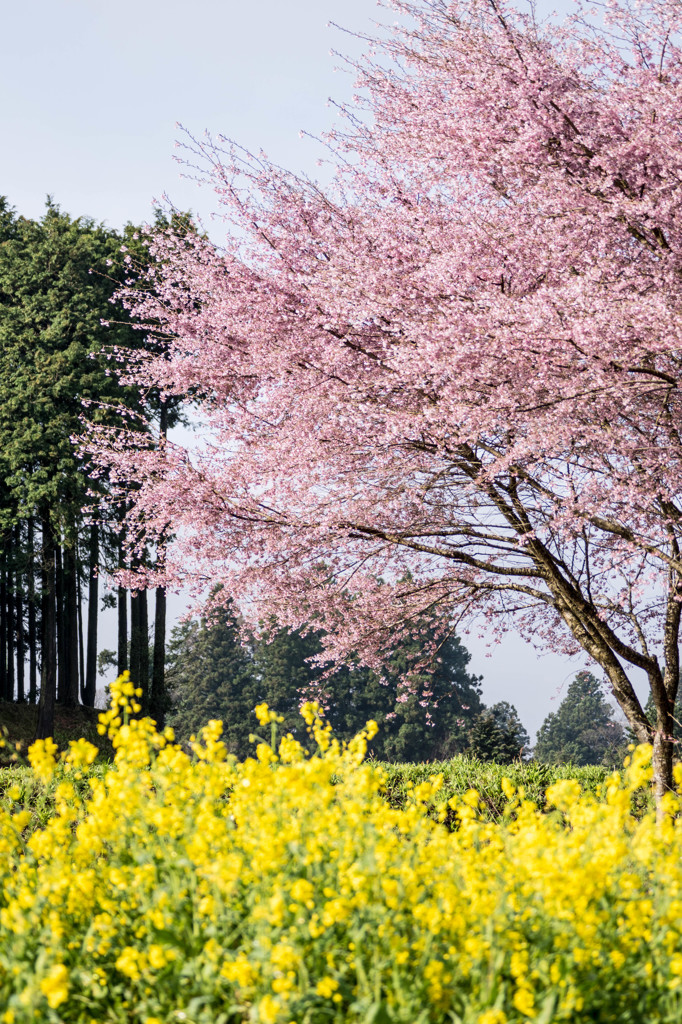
(184, 886)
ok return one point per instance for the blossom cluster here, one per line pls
(184, 886)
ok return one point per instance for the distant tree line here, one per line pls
(424, 713)
(213, 673)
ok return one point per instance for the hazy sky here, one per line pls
(91, 94)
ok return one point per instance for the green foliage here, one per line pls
(465, 772)
(210, 675)
(582, 730)
(498, 735)
(55, 289)
(286, 887)
(421, 715)
(18, 727)
(460, 774)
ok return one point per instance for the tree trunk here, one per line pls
(122, 615)
(93, 610)
(139, 645)
(157, 700)
(81, 651)
(4, 689)
(663, 767)
(21, 646)
(60, 624)
(10, 633)
(70, 696)
(33, 632)
(144, 651)
(135, 637)
(48, 676)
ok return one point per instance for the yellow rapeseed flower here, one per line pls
(56, 986)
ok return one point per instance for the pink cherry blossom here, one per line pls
(450, 381)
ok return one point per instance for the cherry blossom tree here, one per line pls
(450, 379)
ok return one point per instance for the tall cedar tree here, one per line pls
(583, 729)
(55, 289)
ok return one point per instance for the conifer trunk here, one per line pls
(48, 675)
(139, 645)
(70, 696)
(122, 614)
(144, 651)
(59, 621)
(157, 699)
(4, 689)
(93, 610)
(81, 651)
(21, 645)
(10, 633)
(32, 631)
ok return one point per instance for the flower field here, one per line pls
(174, 887)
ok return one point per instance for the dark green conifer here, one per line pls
(583, 729)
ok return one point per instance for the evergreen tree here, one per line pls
(210, 675)
(285, 678)
(422, 717)
(582, 730)
(498, 735)
(55, 290)
(423, 714)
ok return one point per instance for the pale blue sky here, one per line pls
(91, 93)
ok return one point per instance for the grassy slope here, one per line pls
(18, 726)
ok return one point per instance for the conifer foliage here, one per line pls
(498, 735)
(583, 730)
(57, 279)
(212, 673)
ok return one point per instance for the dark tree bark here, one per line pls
(144, 651)
(157, 697)
(10, 632)
(157, 700)
(21, 645)
(70, 696)
(81, 646)
(4, 689)
(48, 676)
(135, 636)
(122, 614)
(139, 645)
(122, 630)
(60, 624)
(32, 630)
(90, 689)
